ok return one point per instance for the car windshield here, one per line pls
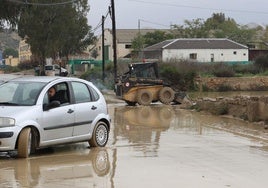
(20, 93)
(48, 67)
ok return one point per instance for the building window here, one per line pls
(128, 46)
(221, 54)
(234, 52)
(244, 54)
(193, 56)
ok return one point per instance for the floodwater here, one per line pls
(157, 146)
(195, 95)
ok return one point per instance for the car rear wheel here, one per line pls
(100, 135)
(25, 143)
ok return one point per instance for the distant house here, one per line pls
(124, 38)
(25, 53)
(198, 49)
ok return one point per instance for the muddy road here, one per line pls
(157, 146)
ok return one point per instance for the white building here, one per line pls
(198, 49)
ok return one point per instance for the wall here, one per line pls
(12, 61)
(204, 55)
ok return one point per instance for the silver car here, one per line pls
(30, 118)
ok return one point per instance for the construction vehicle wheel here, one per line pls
(144, 97)
(166, 95)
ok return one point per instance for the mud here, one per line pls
(250, 108)
(156, 146)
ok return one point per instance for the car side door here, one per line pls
(58, 121)
(86, 108)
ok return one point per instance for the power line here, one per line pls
(100, 22)
(42, 4)
(146, 21)
(197, 7)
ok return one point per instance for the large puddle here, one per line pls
(156, 146)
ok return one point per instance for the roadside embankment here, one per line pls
(250, 108)
(256, 83)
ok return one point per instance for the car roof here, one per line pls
(6, 77)
(44, 79)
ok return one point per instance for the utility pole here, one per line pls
(103, 50)
(114, 39)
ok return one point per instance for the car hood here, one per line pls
(17, 111)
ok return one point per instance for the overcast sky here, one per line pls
(161, 14)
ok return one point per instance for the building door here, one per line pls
(106, 53)
(211, 57)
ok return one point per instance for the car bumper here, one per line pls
(7, 139)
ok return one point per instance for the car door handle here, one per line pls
(70, 111)
(93, 108)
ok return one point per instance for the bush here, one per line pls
(26, 65)
(262, 63)
(245, 69)
(180, 75)
(223, 70)
(10, 69)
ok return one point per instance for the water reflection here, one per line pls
(62, 169)
(142, 126)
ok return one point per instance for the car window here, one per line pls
(20, 93)
(7, 92)
(61, 94)
(95, 94)
(48, 67)
(81, 92)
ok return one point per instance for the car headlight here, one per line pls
(7, 122)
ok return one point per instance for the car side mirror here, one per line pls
(53, 104)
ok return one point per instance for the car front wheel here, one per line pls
(100, 135)
(24, 143)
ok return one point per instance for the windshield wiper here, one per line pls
(9, 104)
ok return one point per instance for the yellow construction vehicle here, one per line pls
(142, 85)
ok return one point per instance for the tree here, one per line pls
(195, 29)
(191, 29)
(265, 36)
(150, 38)
(10, 52)
(137, 45)
(55, 31)
(215, 21)
(217, 26)
(9, 12)
(157, 36)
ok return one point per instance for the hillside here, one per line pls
(9, 39)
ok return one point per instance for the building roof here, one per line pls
(127, 35)
(197, 43)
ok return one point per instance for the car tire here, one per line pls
(144, 97)
(100, 135)
(166, 95)
(25, 143)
